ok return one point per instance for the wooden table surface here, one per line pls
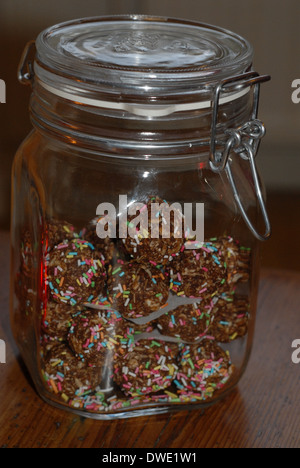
(263, 411)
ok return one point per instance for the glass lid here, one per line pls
(138, 57)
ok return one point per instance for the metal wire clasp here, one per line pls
(244, 141)
(25, 69)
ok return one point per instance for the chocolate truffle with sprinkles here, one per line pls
(57, 319)
(187, 322)
(198, 273)
(204, 368)
(149, 367)
(25, 276)
(145, 246)
(136, 290)
(65, 375)
(128, 333)
(92, 336)
(236, 258)
(231, 318)
(26, 254)
(58, 231)
(104, 248)
(73, 273)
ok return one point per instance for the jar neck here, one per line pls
(112, 130)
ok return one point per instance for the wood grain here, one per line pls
(264, 411)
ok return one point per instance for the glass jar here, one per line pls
(140, 123)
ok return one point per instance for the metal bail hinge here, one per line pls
(25, 69)
(244, 141)
(253, 129)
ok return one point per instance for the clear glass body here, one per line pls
(124, 329)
